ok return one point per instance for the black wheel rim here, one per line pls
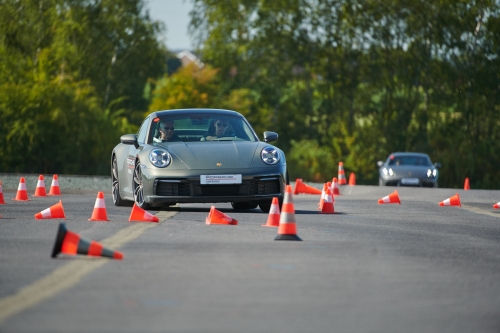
(114, 179)
(138, 189)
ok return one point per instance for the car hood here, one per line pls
(413, 171)
(208, 155)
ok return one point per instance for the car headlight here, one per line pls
(270, 155)
(431, 173)
(160, 158)
(389, 172)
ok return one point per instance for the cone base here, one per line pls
(288, 237)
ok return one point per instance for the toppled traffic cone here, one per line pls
(54, 187)
(466, 184)
(54, 212)
(335, 186)
(22, 193)
(287, 229)
(99, 213)
(497, 205)
(217, 217)
(327, 207)
(452, 201)
(40, 187)
(2, 200)
(300, 187)
(273, 220)
(342, 179)
(352, 179)
(140, 215)
(391, 198)
(69, 242)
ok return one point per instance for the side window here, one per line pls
(141, 135)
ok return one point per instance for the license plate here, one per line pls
(410, 181)
(220, 179)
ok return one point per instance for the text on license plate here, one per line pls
(220, 179)
(410, 181)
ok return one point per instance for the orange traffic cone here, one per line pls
(54, 187)
(497, 205)
(300, 187)
(2, 200)
(22, 193)
(99, 213)
(40, 187)
(466, 184)
(140, 215)
(391, 198)
(54, 212)
(69, 242)
(287, 229)
(323, 197)
(452, 201)
(335, 186)
(352, 179)
(327, 207)
(217, 217)
(342, 180)
(273, 220)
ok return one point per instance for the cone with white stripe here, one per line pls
(2, 200)
(99, 213)
(54, 212)
(273, 220)
(40, 187)
(497, 205)
(323, 196)
(391, 198)
(22, 193)
(452, 201)
(335, 186)
(327, 207)
(54, 187)
(140, 215)
(287, 229)
(342, 179)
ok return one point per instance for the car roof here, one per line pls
(408, 153)
(194, 110)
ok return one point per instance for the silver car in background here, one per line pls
(408, 169)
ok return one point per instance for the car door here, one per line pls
(133, 151)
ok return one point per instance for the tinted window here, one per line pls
(141, 135)
(409, 160)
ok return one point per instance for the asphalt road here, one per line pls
(414, 267)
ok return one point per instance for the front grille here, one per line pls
(257, 186)
(172, 189)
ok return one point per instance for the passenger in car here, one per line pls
(218, 128)
(167, 131)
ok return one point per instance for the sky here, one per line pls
(175, 15)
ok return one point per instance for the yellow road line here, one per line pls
(68, 275)
(480, 211)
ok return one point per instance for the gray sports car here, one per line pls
(408, 169)
(197, 156)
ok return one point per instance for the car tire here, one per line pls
(380, 182)
(137, 187)
(115, 184)
(244, 205)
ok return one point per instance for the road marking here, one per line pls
(69, 275)
(480, 211)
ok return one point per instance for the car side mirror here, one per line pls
(270, 136)
(129, 139)
(437, 165)
(380, 163)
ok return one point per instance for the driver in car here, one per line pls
(222, 128)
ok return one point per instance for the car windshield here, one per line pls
(200, 127)
(409, 160)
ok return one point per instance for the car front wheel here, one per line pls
(117, 200)
(139, 188)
